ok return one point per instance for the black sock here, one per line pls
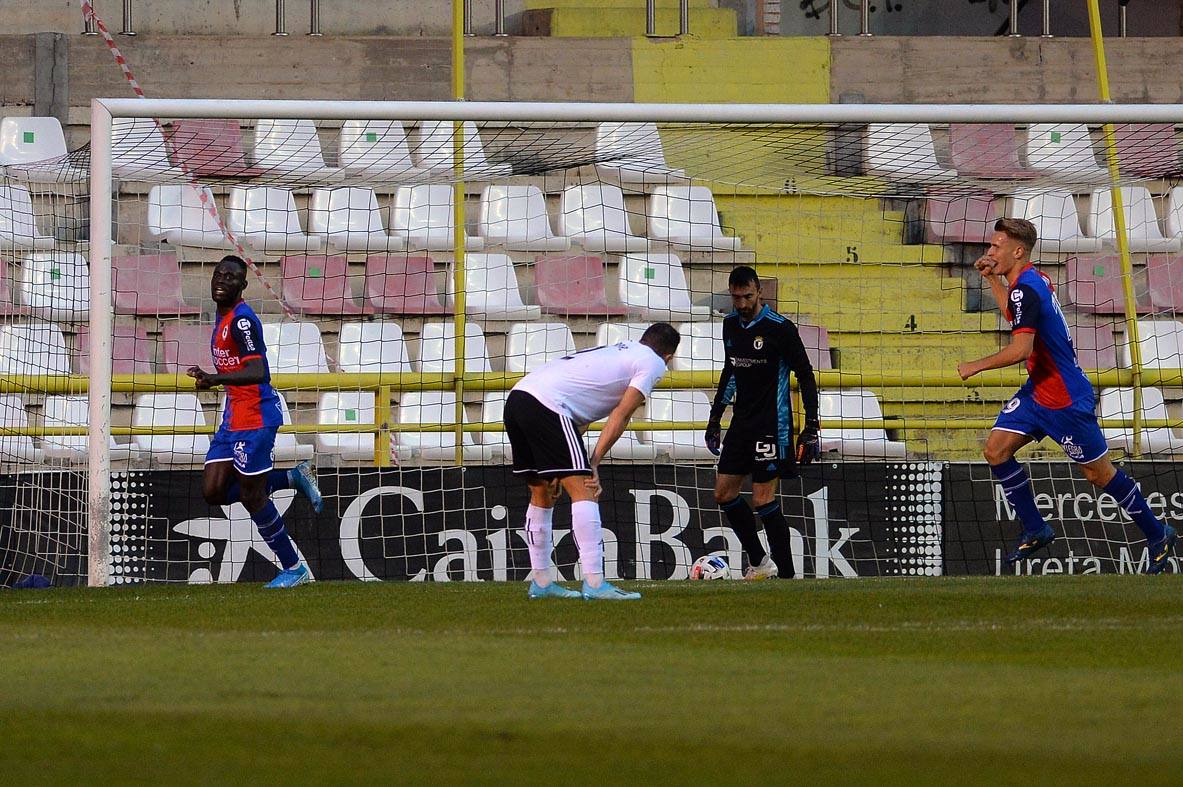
(777, 530)
(743, 522)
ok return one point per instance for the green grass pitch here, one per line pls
(994, 680)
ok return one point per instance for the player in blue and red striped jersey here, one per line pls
(1057, 400)
(238, 466)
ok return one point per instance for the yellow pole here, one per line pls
(458, 282)
(382, 418)
(1123, 244)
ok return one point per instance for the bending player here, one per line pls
(760, 349)
(1056, 401)
(545, 415)
(238, 466)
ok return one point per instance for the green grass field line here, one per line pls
(995, 680)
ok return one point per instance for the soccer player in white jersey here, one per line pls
(545, 416)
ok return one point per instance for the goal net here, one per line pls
(410, 262)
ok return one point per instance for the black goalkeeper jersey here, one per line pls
(755, 380)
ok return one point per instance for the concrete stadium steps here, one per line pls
(623, 18)
(939, 353)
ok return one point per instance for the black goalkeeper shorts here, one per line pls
(750, 452)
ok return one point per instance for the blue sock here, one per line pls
(271, 528)
(278, 479)
(1016, 485)
(1125, 492)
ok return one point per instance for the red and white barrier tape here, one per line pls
(207, 202)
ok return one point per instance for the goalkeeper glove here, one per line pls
(808, 446)
(713, 437)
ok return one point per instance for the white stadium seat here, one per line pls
(1119, 402)
(294, 348)
(434, 407)
(870, 443)
(532, 344)
(16, 448)
(686, 217)
(348, 218)
(1141, 221)
(665, 405)
(55, 285)
(434, 150)
(73, 411)
(373, 347)
(654, 286)
(1055, 218)
(422, 215)
(632, 153)
(265, 218)
(346, 407)
(594, 217)
(166, 411)
(176, 215)
(376, 150)
(492, 289)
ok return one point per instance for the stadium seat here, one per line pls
(346, 407)
(1064, 151)
(422, 216)
(434, 407)
(904, 151)
(613, 332)
(530, 345)
(1055, 218)
(1095, 346)
(186, 346)
(1160, 343)
(294, 348)
(515, 217)
(492, 288)
(15, 448)
(632, 153)
(986, 150)
(665, 405)
(685, 216)
(1094, 284)
(131, 350)
(493, 412)
(437, 348)
(35, 150)
(55, 285)
(373, 347)
(572, 285)
(627, 448)
(35, 348)
(289, 148)
(149, 284)
(265, 218)
(654, 287)
(1119, 403)
(348, 219)
(1165, 274)
(138, 151)
(287, 448)
(73, 411)
(594, 217)
(376, 150)
(176, 215)
(210, 147)
(817, 345)
(1140, 219)
(968, 219)
(18, 224)
(397, 284)
(701, 348)
(1174, 211)
(848, 441)
(1146, 150)
(318, 284)
(169, 411)
(433, 150)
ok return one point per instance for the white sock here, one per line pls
(538, 538)
(585, 520)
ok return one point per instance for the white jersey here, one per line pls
(588, 385)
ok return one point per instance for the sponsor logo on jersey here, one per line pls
(225, 331)
(244, 325)
(758, 343)
(1016, 308)
(1073, 450)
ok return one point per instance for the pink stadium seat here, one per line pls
(149, 284)
(210, 147)
(318, 284)
(7, 307)
(959, 219)
(1094, 284)
(1147, 150)
(1165, 272)
(572, 285)
(131, 351)
(817, 345)
(186, 345)
(1095, 346)
(398, 284)
(986, 150)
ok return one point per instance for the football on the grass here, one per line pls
(710, 567)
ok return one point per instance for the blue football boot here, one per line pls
(1031, 543)
(607, 592)
(291, 577)
(1160, 551)
(303, 478)
(553, 590)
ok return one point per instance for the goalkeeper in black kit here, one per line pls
(761, 347)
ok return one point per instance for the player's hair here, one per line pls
(239, 261)
(1019, 230)
(662, 337)
(743, 276)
